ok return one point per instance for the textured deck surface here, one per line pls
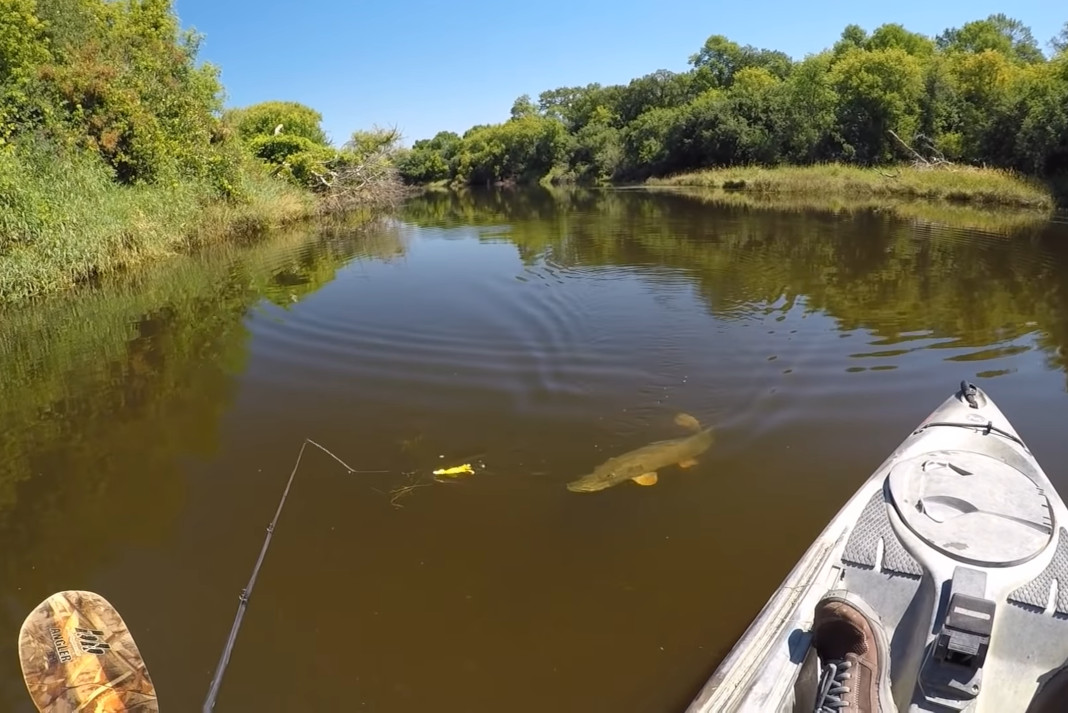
(861, 549)
(1036, 592)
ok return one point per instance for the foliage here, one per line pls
(521, 148)
(114, 147)
(363, 173)
(1060, 42)
(997, 33)
(287, 117)
(719, 60)
(979, 94)
(878, 91)
(98, 228)
(287, 137)
(123, 82)
(23, 48)
(431, 160)
(895, 36)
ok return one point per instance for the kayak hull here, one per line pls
(957, 541)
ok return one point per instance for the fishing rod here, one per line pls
(76, 622)
(224, 660)
(75, 647)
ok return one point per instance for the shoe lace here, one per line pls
(832, 686)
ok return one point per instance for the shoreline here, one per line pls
(50, 247)
(986, 187)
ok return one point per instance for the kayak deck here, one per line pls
(958, 542)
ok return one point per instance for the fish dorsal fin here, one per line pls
(645, 479)
(688, 422)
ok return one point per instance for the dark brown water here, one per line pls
(148, 427)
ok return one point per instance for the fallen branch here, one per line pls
(939, 157)
(937, 160)
(908, 148)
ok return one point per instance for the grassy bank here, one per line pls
(116, 150)
(65, 221)
(958, 184)
(1009, 221)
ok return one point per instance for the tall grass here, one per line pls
(962, 184)
(1008, 221)
(64, 221)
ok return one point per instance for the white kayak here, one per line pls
(958, 543)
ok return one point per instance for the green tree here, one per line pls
(24, 47)
(287, 136)
(523, 106)
(598, 152)
(852, 37)
(271, 117)
(982, 84)
(808, 134)
(940, 108)
(999, 33)
(1040, 113)
(575, 107)
(1060, 42)
(895, 36)
(523, 149)
(647, 142)
(719, 60)
(431, 160)
(878, 91)
(660, 90)
(132, 91)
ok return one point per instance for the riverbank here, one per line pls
(1009, 221)
(65, 221)
(956, 184)
(115, 150)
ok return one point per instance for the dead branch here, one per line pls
(373, 183)
(936, 160)
(908, 148)
(929, 145)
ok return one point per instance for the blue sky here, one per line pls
(427, 66)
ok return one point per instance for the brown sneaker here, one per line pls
(1052, 694)
(851, 644)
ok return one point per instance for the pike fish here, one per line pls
(641, 465)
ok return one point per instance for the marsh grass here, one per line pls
(1008, 221)
(955, 184)
(64, 221)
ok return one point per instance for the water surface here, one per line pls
(149, 425)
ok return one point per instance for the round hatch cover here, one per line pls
(972, 507)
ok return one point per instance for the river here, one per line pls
(149, 423)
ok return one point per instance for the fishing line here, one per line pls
(220, 669)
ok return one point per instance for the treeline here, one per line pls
(983, 94)
(115, 147)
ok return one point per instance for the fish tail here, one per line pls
(687, 421)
